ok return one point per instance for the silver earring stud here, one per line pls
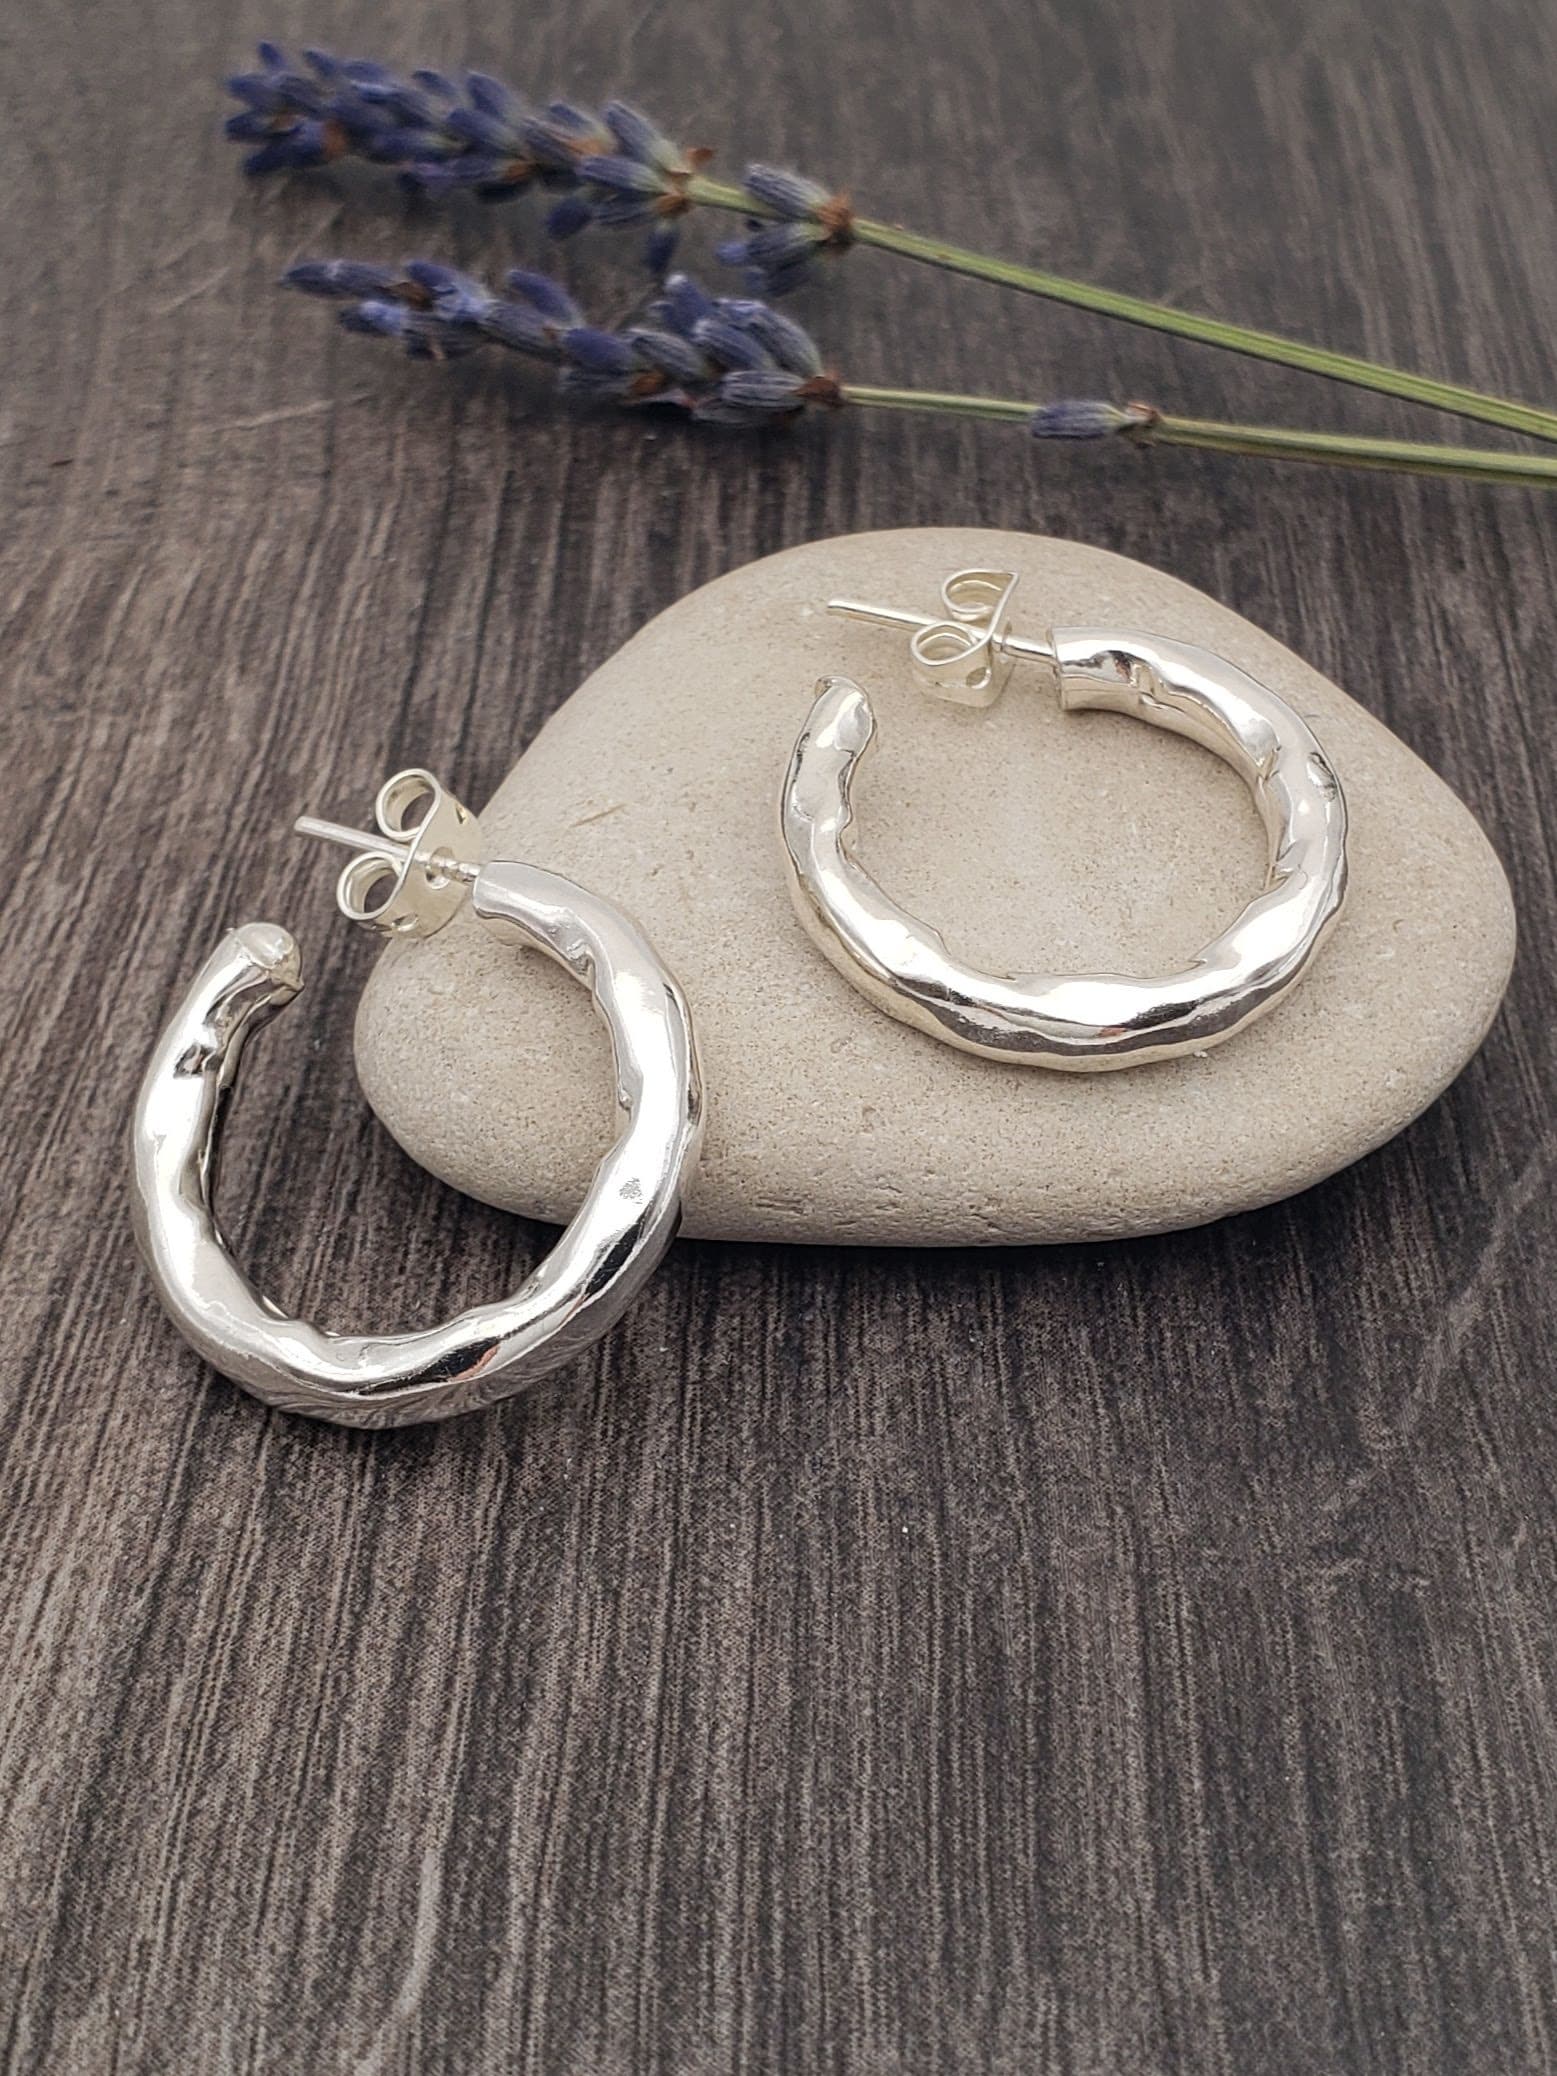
(1079, 1022)
(409, 877)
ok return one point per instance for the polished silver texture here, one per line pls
(409, 879)
(1083, 1023)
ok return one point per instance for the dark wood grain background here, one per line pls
(1100, 1660)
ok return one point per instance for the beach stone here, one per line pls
(1033, 840)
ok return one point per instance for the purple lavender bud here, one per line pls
(779, 244)
(566, 218)
(730, 345)
(248, 126)
(786, 194)
(443, 176)
(258, 90)
(600, 352)
(457, 298)
(434, 275)
(485, 132)
(305, 144)
(522, 330)
(489, 96)
(412, 148)
(419, 333)
(1074, 418)
(437, 83)
(621, 176)
(681, 306)
(390, 147)
(638, 138)
(784, 279)
(560, 137)
(294, 92)
(776, 256)
(661, 248)
(549, 298)
(765, 405)
(398, 102)
(667, 354)
(379, 320)
(549, 143)
(618, 211)
(340, 278)
(767, 390)
(788, 343)
(357, 117)
(277, 67)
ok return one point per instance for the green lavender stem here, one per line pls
(1277, 443)
(1184, 324)
(1283, 443)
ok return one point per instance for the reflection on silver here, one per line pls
(627, 1220)
(1088, 1022)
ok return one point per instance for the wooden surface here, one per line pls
(1105, 1660)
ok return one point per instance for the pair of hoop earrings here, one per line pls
(423, 861)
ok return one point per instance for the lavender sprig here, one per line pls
(476, 134)
(617, 168)
(733, 360)
(726, 360)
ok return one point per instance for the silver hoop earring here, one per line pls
(1086, 1022)
(408, 880)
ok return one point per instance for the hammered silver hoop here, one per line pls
(616, 1239)
(1084, 1023)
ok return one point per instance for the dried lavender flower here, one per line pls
(778, 255)
(729, 344)
(560, 136)
(790, 344)
(614, 168)
(668, 354)
(419, 333)
(727, 360)
(681, 305)
(534, 317)
(1077, 418)
(339, 278)
(548, 298)
(786, 194)
(644, 180)
(308, 114)
(755, 396)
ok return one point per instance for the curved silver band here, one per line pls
(1088, 1022)
(621, 1231)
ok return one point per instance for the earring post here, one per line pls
(440, 861)
(339, 832)
(1021, 646)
